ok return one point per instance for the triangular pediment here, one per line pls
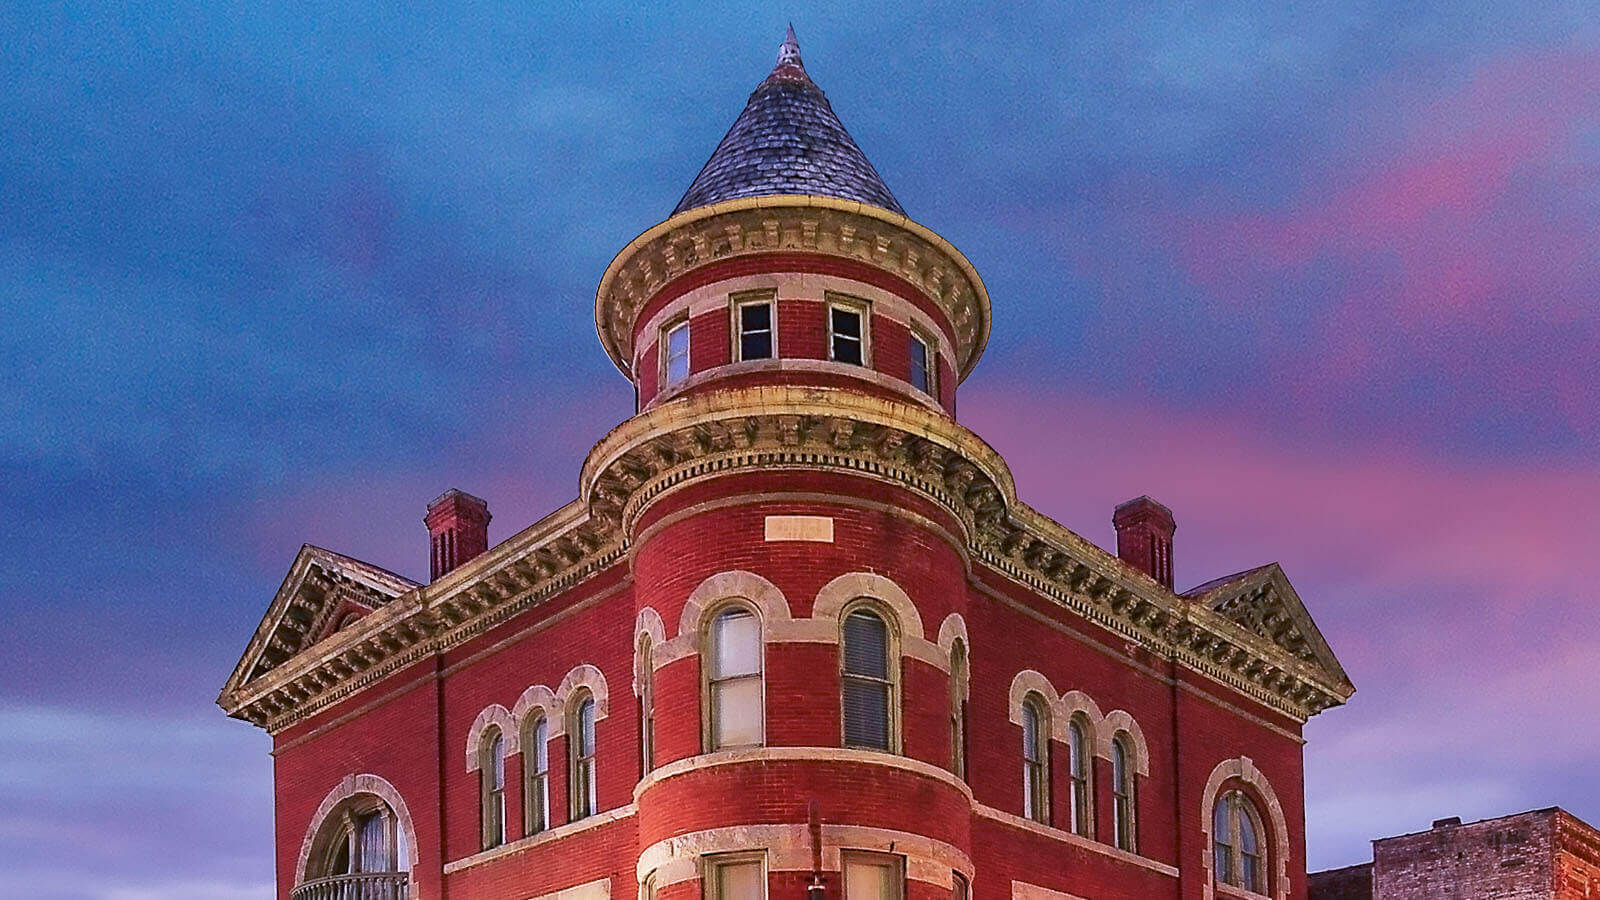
(1264, 603)
(321, 586)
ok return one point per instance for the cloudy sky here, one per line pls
(1323, 280)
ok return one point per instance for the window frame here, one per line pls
(1080, 775)
(1238, 807)
(894, 862)
(1124, 795)
(930, 362)
(536, 774)
(959, 663)
(1036, 771)
(742, 300)
(582, 769)
(711, 865)
(892, 669)
(669, 328)
(492, 789)
(708, 644)
(647, 713)
(863, 311)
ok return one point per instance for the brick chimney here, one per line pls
(458, 530)
(1144, 537)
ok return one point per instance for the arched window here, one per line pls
(1035, 759)
(733, 664)
(1122, 795)
(647, 706)
(958, 709)
(1236, 843)
(1078, 769)
(536, 775)
(492, 788)
(581, 750)
(867, 681)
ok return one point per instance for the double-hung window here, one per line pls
(1035, 759)
(1236, 843)
(847, 332)
(873, 876)
(755, 320)
(735, 876)
(536, 776)
(733, 680)
(867, 681)
(924, 363)
(675, 352)
(1078, 770)
(492, 772)
(581, 747)
(1122, 795)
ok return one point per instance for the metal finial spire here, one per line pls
(789, 52)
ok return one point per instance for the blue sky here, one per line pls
(1321, 277)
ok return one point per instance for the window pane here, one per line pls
(372, 848)
(919, 364)
(866, 714)
(497, 762)
(1219, 823)
(1247, 834)
(737, 640)
(1250, 873)
(756, 317)
(1030, 732)
(866, 645)
(846, 323)
(678, 353)
(1222, 860)
(845, 332)
(541, 750)
(1075, 749)
(586, 728)
(755, 346)
(736, 712)
(868, 880)
(740, 881)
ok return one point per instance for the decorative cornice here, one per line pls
(826, 225)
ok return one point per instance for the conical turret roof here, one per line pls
(788, 141)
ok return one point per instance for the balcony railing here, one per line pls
(363, 886)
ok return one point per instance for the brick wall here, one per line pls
(1499, 859)
(1348, 883)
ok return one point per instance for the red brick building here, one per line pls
(797, 636)
(1547, 854)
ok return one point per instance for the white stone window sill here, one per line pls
(1228, 890)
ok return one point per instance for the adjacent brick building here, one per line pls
(797, 635)
(1547, 854)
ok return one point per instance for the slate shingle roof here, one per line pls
(788, 141)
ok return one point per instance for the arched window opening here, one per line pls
(359, 846)
(1237, 853)
(958, 709)
(1122, 795)
(492, 788)
(867, 681)
(647, 707)
(1078, 768)
(1035, 759)
(733, 667)
(581, 749)
(536, 775)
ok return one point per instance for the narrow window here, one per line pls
(959, 888)
(846, 335)
(1236, 843)
(867, 687)
(1078, 769)
(923, 376)
(536, 776)
(1035, 759)
(733, 680)
(580, 738)
(647, 707)
(958, 709)
(1122, 794)
(755, 330)
(647, 891)
(873, 876)
(675, 353)
(492, 775)
(735, 876)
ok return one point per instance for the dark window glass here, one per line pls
(755, 331)
(844, 331)
(921, 375)
(866, 686)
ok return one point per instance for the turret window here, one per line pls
(755, 328)
(867, 681)
(735, 876)
(923, 376)
(733, 667)
(873, 876)
(847, 336)
(675, 352)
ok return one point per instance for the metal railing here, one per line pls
(362, 886)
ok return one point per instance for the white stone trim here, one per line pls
(536, 700)
(549, 835)
(352, 786)
(952, 628)
(788, 849)
(647, 623)
(1031, 681)
(492, 716)
(1021, 890)
(1119, 722)
(805, 754)
(599, 889)
(582, 675)
(837, 594)
(1067, 837)
(738, 584)
(1244, 770)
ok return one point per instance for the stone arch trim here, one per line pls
(1030, 681)
(647, 624)
(353, 786)
(837, 594)
(582, 676)
(1077, 704)
(769, 601)
(1244, 770)
(536, 700)
(951, 630)
(493, 716)
(1119, 722)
